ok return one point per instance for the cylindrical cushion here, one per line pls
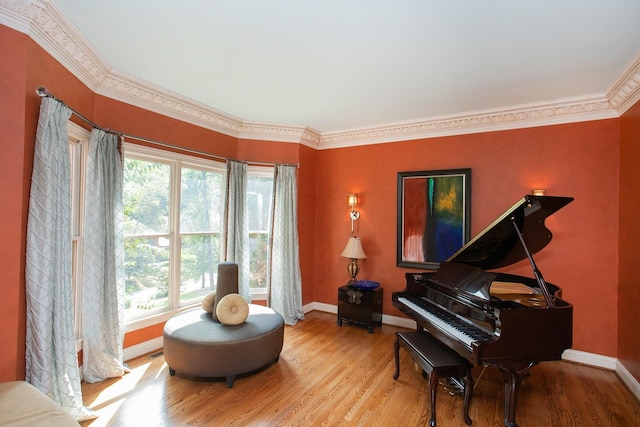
(208, 301)
(195, 345)
(227, 283)
(232, 310)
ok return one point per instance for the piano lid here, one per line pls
(498, 245)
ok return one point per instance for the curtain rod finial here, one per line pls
(42, 91)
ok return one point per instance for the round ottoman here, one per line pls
(196, 345)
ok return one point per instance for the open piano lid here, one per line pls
(498, 245)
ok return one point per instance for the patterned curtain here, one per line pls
(51, 358)
(285, 279)
(236, 230)
(103, 291)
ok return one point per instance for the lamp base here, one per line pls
(353, 268)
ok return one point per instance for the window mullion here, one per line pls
(174, 232)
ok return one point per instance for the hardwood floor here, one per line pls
(343, 376)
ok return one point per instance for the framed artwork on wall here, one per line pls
(433, 216)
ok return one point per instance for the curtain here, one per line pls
(103, 291)
(285, 281)
(236, 228)
(51, 358)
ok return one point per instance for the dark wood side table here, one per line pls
(360, 306)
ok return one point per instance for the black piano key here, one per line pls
(451, 319)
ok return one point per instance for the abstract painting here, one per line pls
(433, 216)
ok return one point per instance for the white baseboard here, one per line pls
(590, 359)
(142, 348)
(628, 379)
(402, 322)
(320, 306)
(605, 362)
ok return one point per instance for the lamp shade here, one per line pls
(354, 249)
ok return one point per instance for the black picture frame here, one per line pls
(434, 216)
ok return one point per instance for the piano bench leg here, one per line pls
(436, 361)
(433, 386)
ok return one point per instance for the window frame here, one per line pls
(79, 140)
(78, 151)
(260, 294)
(176, 161)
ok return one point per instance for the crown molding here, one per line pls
(135, 92)
(530, 115)
(270, 132)
(19, 14)
(47, 25)
(626, 90)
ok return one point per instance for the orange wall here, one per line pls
(307, 200)
(578, 160)
(25, 66)
(629, 279)
(12, 166)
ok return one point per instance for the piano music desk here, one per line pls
(436, 361)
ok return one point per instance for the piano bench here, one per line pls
(436, 361)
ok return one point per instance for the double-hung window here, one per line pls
(78, 140)
(259, 205)
(173, 225)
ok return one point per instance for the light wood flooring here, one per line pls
(343, 376)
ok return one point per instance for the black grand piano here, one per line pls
(490, 318)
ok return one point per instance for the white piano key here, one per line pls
(439, 323)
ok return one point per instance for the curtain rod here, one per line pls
(43, 92)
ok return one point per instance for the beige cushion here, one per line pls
(207, 302)
(232, 309)
(23, 405)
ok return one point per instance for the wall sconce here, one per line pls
(353, 202)
(353, 251)
(539, 192)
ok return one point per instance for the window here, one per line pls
(173, 222)
(146, 196)
(172, 225)
(201, 202)
(78, 140)
(259, 195)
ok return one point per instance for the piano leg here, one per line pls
(468, 389)
(513, 375)
(396, 352)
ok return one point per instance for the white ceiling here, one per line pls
(335, 65)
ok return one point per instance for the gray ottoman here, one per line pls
(196, 345)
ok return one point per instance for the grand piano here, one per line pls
(491, 318)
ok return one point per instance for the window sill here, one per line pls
(152, 320)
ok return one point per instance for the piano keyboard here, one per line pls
(448, 322)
